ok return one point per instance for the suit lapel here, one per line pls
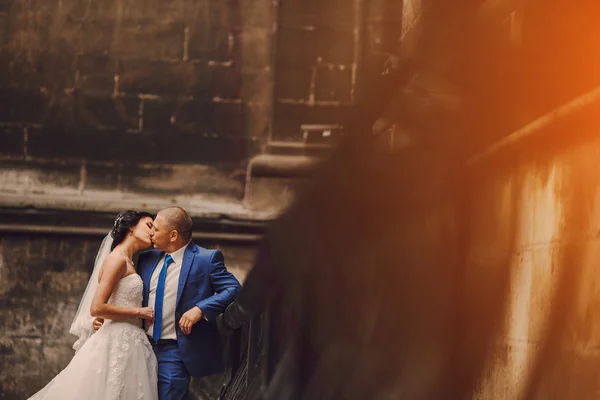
(147, 275)
(188, 259)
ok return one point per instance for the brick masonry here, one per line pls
(323, 48)
(135, 82)
(183, 82)
(316, 64)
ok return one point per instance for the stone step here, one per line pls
(272, 180)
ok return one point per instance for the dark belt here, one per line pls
(161, 341)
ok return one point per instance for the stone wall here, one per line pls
(316, 64)
(131, 95)
(158, 71)
(146, 102)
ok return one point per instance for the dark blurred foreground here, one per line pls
(461, 264)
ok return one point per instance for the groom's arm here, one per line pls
(226, 288)
(225, 285)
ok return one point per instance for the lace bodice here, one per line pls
(128, 292)
(123, 337)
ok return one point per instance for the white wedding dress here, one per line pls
(115, 363)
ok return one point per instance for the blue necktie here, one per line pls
(158, 302)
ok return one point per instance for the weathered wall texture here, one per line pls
(534, 209)
(145, 97)
(540, 218)
(144, 100)
(41, 283)
(316, 64)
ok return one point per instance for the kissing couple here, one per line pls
(143, 330)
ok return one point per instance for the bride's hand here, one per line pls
(146, 313)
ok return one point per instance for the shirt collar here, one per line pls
(177, 255)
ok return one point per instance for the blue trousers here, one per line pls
(173, 377)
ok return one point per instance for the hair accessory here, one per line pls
(117, 221)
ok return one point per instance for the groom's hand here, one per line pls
(98, 323)
(189, 319)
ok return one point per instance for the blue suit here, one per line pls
(204, 282)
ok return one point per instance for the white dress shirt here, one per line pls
(170, 295)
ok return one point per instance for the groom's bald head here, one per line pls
(179, 220)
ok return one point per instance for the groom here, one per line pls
(188, 286)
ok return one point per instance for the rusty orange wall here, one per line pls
(540, 218)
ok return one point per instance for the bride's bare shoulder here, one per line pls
(114, 264)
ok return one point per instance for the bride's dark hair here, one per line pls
(125, 221)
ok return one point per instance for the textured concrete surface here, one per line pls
(540, 219)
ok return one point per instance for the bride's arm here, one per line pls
(113, 270)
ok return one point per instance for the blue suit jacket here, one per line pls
(204, 282)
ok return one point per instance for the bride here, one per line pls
(117, 362)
